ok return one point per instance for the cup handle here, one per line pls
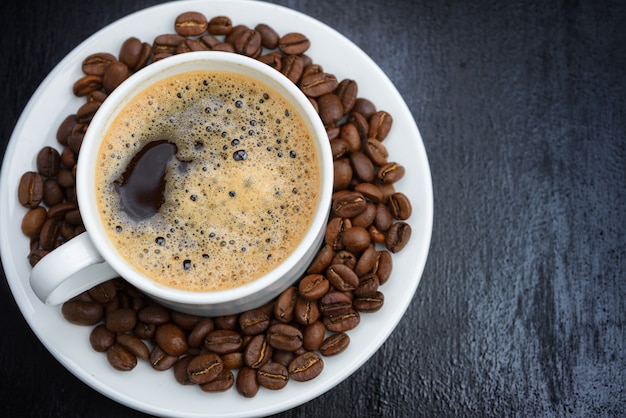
(69, 270)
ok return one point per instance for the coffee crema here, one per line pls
(207, 180)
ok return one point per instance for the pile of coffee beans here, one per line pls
(287, 338)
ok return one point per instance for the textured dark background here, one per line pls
(521, 310)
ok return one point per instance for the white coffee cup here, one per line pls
(90, 258)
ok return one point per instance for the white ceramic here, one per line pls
(155, 392)
(92, 257)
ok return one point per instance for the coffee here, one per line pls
(207, 180)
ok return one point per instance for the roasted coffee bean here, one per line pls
(284, 337)
(247, 384)
(48, 234)
(233, 360)
(35, 255)
(120, 358)
(318, 84)
(376, 151)
(76, 138)
(371, 192)
(87, 84)
(380, 125)
(209, 41)
(283, 357)
(66, 178)
(225, 47)
(223, 341)
(356, 239)
(350, 134)
(198, 334)
(364, 107)
(346, 258)
(365, 218)
(347, 91)
(86, 112)
(59, 211)
(273, 59)
(384, 266)
(334, 232)
(30, 189)
(65, 129)
(131, 52)
(230, 322)
(269, 37)
(293, 44)
(121, 320)
(273, 376)
(220, 25)
(190, 24)
(313, 286)
(172, 339)
(160, 360)
(398, 236)
(103, 292)
(99, 95)
(306, 367)
(313, 335)
(82, 313)
(390, 172)
(114, 75)
(254, 322)
(349, 204)
(257, 352)
(185, 321)
(52, 192)
(400, 206)
(342, 277)
(370, 303)
(377, 235)
(292, 67)
(96, 64)
(368, 285)
(67, 230)
(101, 338)
(343, 322)
(33, 221)
(286, 305)
(339, 148)
(224, 381)
(133, 344)
(156, 315)
(73, 217)
(144, 331)
(191, 45)
(330, 109)
(306, 311)
(367, 261)
(204, 368)
(383, 220)
(248, 43)
(362, 167)
(166, 44)
(335, 344)
(343, 173)
(322, 260)
(180, 370)
(360, 122)
(335, 303)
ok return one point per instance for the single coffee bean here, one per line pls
(96, 64)
(368, 285)
(223, 341)
(204, 368)
(230, 322)
(82, 313)
(350, 134)
(180, 370)
(376, 151)
(330, 109)
(160, 360)
(365, 218)
(358, 120)
(306, 311)
(248, 43)
(380, 125)
(65, 129)
(390, 173)
(283, 357)
(48, 234)
(318, 84)
(284, 337)
(356, 239)
(247, 384)
(335, 304)
(348, 205)
(30, 189)
(121, 320)
(131, 52)
(398, 236)
(101, 338)
(273, 376)
(257, 352)
(293, 44)
(286, 304)
(157, 315)
(133, 344)
(269, 37)
(292, 67)
(166, 44)
(73, 217)
(365, 107)
(76, 138)
(35, 255)
(322, 260)
(198, 334)
(233, 360)
(339, 148)
(99, 96)
(346, 258)
(367, 261)
(144, 331)
(383, 220)
(52, 192)
(120, 358)
(343, 173)
(313, 286)
(370, 191)
(400, 206)
(114, 75)
(370, 303)
(342, 277)
(172, 339)
(86, 84)
(384, 266)
(273, 59)
(224, 381)
(104, 292)
(220, 25)
(254, 322)
(185, 321)
(306, 367)
(33, 221)
(86, 112)
(335, 344)
(347, 91)
(362, 167)
(190, 24)
(58, 212)
(343, 322)
(313, 335)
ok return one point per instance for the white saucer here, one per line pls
(155, 392)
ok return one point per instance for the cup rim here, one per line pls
(180, 64)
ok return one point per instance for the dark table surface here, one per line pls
(521, 310)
